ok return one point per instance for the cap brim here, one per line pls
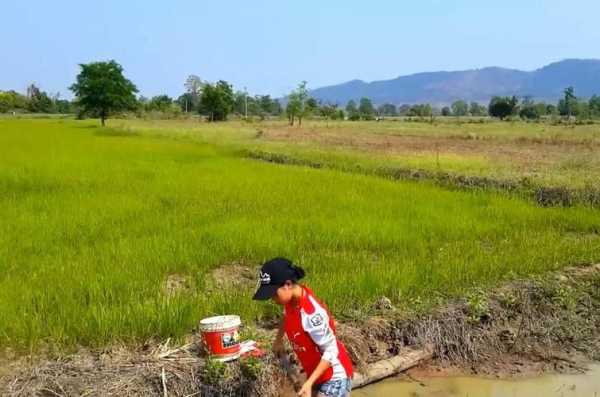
(265, 292)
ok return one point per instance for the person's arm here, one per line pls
(317, 327)
(278, 341)
(306, 389)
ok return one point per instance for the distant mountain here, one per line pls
(478, 85)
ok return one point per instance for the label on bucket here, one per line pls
(230, 339)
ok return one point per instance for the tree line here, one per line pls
(101, 90)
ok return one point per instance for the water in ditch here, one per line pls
(581, 385)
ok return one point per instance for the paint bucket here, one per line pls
(221, 336)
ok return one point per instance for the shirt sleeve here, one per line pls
(317, 327)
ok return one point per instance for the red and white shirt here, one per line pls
(311, 331)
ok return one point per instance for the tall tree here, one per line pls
(366, 109)
(570, 100)
(39, 101)
(594, 105)
(475, 109)
(352, 111)
(296, 106)
(193, 85)
(217, 100)
(101, 89)
(502, 107)
(387, 109)
(160, 103)
(460, 108)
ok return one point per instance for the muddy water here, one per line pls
(586, 385)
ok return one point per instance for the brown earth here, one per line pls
(528, 153)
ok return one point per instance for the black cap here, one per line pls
(273, 274)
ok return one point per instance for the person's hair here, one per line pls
(298, 271)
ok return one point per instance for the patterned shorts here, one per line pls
(335, 388)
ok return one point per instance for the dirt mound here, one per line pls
(234, 275)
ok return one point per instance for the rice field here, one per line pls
(126, 233)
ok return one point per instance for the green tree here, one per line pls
(38, 100)
(569, 102)
(460, 108)
(594, 105)
(217, 100)
(366, 109)
(475, 109)
(420, 110)
(352, 111)
(329, 111)
(160, 103)
(446, 111)
(529, 112)
(101, 89)
(12, 100)
(311, 106)
(187, 102)
(193, 85)
(502, 107)
(387, 109)
(296, 106)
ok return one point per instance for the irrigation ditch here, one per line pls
(547, 323)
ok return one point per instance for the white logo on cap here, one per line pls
(265, 278)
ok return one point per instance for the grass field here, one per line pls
(541, 153)
(96, 221)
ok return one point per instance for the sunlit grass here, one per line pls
(95, 220)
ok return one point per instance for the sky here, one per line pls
(270, 46)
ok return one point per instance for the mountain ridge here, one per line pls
(443, 87)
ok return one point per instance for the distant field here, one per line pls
(540, 153)
(115, 234)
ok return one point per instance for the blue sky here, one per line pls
(269, 46)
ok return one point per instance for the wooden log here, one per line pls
(391, 366)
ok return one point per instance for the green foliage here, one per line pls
(529, 112)
(502, 107)
(251, 367)
(387, 109)
(568, 105)
(39, 101)
(446, 111)
(366, 109)
(330, 112)
(159, 103)
(11, 100)
(101, 89)
(478, 306)
(476, 109)
(460, 108)
(187, 103)
(215, 372)
(421, 110)
(594, 106)
(297, 104)
(217, 100)
(352, 111)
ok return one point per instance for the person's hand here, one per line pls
(306, 390)
(278, 348)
